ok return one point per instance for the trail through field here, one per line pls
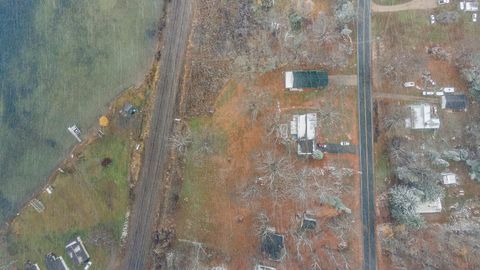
(412, 5)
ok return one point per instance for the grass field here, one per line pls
(89, 202)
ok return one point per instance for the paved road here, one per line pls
(147, 193)
(366, 131)
(414, 4)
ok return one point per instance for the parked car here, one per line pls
(474, 17)
(409, 84)
(440, 93)
(344, 143)
(462, 5)
(448, 89)
(428, 93)
(443, 2)
(432, 19)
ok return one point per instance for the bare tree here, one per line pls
(262, 224)
(393, 121)
(329, 116)
(181, 140)
(274, 170)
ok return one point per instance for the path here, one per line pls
(147, 191)
(412, 5)
(430, 99)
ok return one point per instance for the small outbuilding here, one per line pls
(78, 253)
(449, 178)
(455, 103)
(305, 79)
(31, 266)
(128, 110)
(273, 245)
(54, 262)
(308, 223)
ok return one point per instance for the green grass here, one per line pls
(200, 174)
(91, 197)
(382, 172)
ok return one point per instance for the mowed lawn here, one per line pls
(90, 202)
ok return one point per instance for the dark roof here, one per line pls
(31, 266)
(310, 79)
(306, 146)
(309, 223)
(55, 263)
(456, 102)
(273, 246)
(77, 252)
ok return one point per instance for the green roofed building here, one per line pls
(301, 79)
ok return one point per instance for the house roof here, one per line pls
(262, 267)
(77, 252)
(421, 117)
(273, 246)
(449, 178)
(31, 266)
(52, 262)
(306, 79)
(454, 102)
(430, 207)
(309, 223)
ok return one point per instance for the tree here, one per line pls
(336, 202)
(394, 120)
(274, 169)
(296, 21)
(317, 154)
(474, 169)
(403, 203)
(469, 65)
(431, 190)
(181, 140)
(256, 102)
(344, 12)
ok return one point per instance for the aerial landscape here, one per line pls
(247, 134)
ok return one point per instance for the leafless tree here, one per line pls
(301, 241)
(274, 169)
(181, 140)
(328, 116)
(393, 121)
(262, 224)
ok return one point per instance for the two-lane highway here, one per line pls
(365, 134)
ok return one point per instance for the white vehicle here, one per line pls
(432, 19)
(432, 82)
(425, 93)
(448, 89)
(462, 5)
(440, 93)
(443, 2)
(344, 143)
(474, 17)
(409, 84)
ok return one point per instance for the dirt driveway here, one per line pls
(414, 4)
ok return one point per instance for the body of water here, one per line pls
(61, 63)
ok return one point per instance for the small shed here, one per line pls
(54, 262)
(128, 109)
(31, 266)
(273, 245)
(302, 79)
(430, 207)
(455, 103)
(449, 178)
(77, 252)
(308, 223)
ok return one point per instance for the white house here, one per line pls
(421, 117)
(430, 207)
(449, 178)
(302, 129)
